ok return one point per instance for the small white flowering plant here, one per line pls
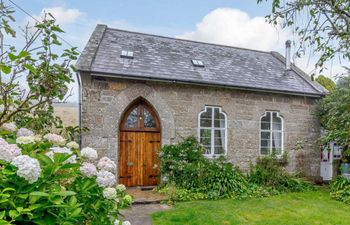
(44, 180)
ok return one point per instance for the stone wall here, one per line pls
(105, 99)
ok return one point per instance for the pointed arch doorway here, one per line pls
(139, 143)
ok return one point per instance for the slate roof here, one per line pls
(169, 60)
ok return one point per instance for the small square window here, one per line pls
(127, 54)
(197, 63)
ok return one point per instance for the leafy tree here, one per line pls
(323, 25)
(46, 73)
(335, 116)
(326, 82)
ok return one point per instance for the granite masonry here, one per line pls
(106, 96)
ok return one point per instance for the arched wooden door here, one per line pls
(139, 143)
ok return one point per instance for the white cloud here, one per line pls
(234, 27)
(62, 15)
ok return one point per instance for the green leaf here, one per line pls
(2, 214)
(76, 212)
(5, 69)
(13, 214)
(8, 189)
(22, 196)
(65, 193)
(23, 54)
(12, 56)
(30, 68)
(39, 193)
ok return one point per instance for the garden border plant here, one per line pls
(44, 180)
(188, 175)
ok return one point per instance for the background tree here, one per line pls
(322, 25)
(33, 76)
(326, 82)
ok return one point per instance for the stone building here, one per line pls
(142, 91)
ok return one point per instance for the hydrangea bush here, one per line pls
(44, 180)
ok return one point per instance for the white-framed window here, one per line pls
(271, 133)
(212, 131)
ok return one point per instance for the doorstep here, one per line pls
(145, 195)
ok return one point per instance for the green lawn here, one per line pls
(295, 208)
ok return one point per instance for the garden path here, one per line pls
(140, 214)
(146, 202)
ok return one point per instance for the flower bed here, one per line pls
(44, 180)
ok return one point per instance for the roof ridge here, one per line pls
(187, 40)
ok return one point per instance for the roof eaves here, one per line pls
(87, 57)
(126, 76)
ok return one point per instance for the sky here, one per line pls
(239, 23)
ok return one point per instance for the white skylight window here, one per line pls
(127, 54)
(197, 63)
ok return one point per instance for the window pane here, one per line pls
(219, 123)
(207, 114)
(265, 135)
(276, 126)
(205, 133)
(219, 150)
(207, 150)
(276, 140)
(265, 143)
(131, 121)
(264, 151)
(218, 115)
(219, 141)
(148, 120)
(205, 141)
(205, 122)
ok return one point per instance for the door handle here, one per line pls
(125, 177)
(154, 141)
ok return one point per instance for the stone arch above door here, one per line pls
(150, 95)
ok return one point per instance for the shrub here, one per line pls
(184, 166)
(268, 172)
(340, 189)
(42, 181)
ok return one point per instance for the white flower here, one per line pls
(9, 126)
(89, 153)
(88, 169)
(106, 164)
(62, 150)
(117, 222)
(109, 193)
(28, 168)
(73, 145)
(8, 151)
(24, 132)
(126, 223)
(121, 187)
(25, 139)
(55, 139)
(3, 142)
(105, 179)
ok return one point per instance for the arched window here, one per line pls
(212, 131)
(140, 117)
(271, 133)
